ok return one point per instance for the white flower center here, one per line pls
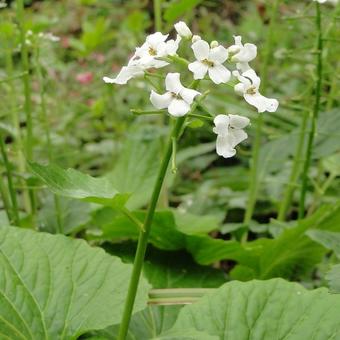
(208, 62)
(251, 90)
(176, 96)
(152, 51)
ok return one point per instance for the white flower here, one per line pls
(334, 2)
(209, 60)
(242, 54)
(177, 98)
(146, 57)
(229, 133)
(195, 38)
(155, 47)
(249, 89)
(183, 30)
(49, 36)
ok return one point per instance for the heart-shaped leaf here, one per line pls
(262, 310)
(54, 287)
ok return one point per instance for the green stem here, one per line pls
(254, 178)
(16, 123)
(26, 78)
(12, 192)
(49, 146)
(157, 9)
(27, 93)
(143, 236)
(292, 184)
(176, 296)
(315, 112)
(5, 199)
(132, 218)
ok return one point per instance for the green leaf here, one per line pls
(178, 8)
(66, 216)
(262, 310)
(74, 184)
(164, 270)
(58, 288)
(333, 278)
(329, 239)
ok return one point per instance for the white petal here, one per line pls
(240, 89)
(188, 94)
(183, 30)
(156, 38)
(221, 125)
(198, 69)
(178, 108)
(262, 103)
(219, 74)
(160, 101)
(224, 147)
(247, 53)
(251, 74)
(201, 49)
(125, 74)
(243, 67)
(238, 122)
(237, 136)
(218, 54)
(172, 45)
(173, 83)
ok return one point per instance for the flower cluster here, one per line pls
(159, 51)
(334, 2)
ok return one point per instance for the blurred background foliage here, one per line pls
(93, 130)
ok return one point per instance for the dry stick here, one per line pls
(254, 179)
(315, 112)
(27, 92)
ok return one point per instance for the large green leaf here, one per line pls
(166, 234)
(163, 270)
(329, 239)
(293, 253)
(74, 184)
(53, 287)
(263, 310)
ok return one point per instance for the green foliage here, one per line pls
(262, 310)
(333, 278)
(56, 287)
(179, 7)
(74, 184)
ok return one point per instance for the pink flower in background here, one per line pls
(84, 78)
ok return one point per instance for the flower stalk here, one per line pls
(144, 235)
(254, 178)
(315, 115)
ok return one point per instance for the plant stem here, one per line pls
(26, 78)
(27, 92)
(254, 178)
(292, 183)
(315, 112)
(176, 296)
(157, 9)
(12, 193)
(49, 146)
(16, 123)
(143, 236)
(5, 199)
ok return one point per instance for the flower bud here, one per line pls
(183, 30)
(213, 44)
(233, 49)
(195, 38)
